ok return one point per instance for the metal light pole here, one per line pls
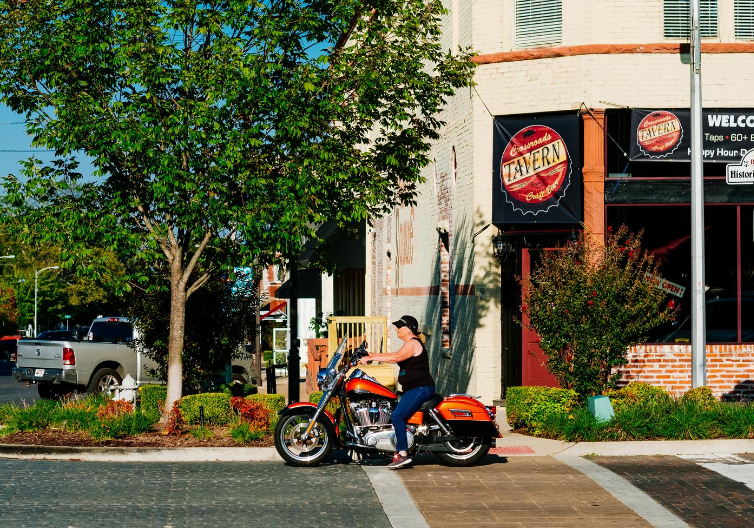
(36, 274)
(698, 342)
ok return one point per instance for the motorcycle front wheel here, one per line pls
(302, 451)
(465, 451)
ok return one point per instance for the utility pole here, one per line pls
(698, 338)
(294, 389)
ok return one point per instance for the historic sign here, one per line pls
(743, 172)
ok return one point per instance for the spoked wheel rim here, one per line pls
(464, 448)
(291, 438)
(108, 384)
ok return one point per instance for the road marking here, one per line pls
(396, 501)
(625, 492)
(730, 466)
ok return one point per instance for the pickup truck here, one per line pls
(98, 364)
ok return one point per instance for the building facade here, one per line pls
(594, 96)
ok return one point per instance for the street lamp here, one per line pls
(36, 273)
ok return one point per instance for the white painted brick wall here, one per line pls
(557, 84)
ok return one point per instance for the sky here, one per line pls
(15, 145)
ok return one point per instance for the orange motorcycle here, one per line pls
(457, 428)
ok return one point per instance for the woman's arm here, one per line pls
(410, 348)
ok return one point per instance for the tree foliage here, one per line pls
(218, 322)
(223, 132)
(589, 303)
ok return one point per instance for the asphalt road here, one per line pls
(71, 494)
(12, 391)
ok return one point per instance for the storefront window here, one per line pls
(667, 234)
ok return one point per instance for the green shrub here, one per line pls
(153, 400)
(688, 421)
(274, 402)
(122, 425)
(7, 412)
(589, 303)
(577, 426)
(201, 433)
(238, 389)
(702, 396)
(638, 393)
(78, 415)
(244, 434)
(35, 418)
(531, 407)
(217, 409)
(736, 420)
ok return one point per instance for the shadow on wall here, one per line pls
(470, 300)
(743, 391)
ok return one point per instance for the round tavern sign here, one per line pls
(659, 134)
(535, 169)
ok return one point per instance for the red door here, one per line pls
(533, 360)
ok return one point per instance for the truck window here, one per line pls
(110, 331)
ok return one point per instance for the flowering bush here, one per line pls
(254, 413)
(589, 303)
(175, 420)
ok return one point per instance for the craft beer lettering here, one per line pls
(659, 134)
(534, 165)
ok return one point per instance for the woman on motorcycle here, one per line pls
(415, 379)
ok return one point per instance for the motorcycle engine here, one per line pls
(384, 439)
(371, 412)
(373, 418)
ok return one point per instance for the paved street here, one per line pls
(512, 492)
(11, 391)
(270, 494)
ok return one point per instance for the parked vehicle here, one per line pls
(8, 345)
(98, 365)
(457, 428)
(58, 335)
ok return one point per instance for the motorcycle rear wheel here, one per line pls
(299, 452)
(465, 451)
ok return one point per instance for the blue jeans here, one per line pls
(407, 406)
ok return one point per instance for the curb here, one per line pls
(659, 447)
(140, 454)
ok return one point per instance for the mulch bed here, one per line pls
(220, 438)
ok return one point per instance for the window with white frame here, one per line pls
(538, 23)
(677, 16)
(743, 19)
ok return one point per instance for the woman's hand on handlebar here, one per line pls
(364, 360)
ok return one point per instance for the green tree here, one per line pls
(589, 303)
(218, 322)
(223, 132)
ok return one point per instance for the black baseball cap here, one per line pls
(407, 320)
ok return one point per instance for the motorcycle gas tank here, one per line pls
(360, 387)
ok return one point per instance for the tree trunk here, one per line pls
(178, 299)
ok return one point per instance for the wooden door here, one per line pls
(533, 360)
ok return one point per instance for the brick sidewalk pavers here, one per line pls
(522, 492)
(699, 496)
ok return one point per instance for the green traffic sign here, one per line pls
(66, 317)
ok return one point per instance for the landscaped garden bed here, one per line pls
(199, 420)
(642, 412)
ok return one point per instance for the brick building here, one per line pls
(604, 77)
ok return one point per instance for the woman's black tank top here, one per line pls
(415, 371)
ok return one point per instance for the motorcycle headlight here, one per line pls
(321, 375)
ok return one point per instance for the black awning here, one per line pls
(309, 285)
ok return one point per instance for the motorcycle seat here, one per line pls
(431, 403)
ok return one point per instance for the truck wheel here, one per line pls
(104, 381)
(47, 391)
